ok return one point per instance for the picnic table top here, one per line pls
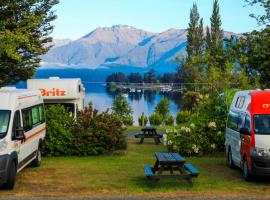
(149, 128)
(169, 158)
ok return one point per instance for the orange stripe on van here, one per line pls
(26, 97)
(36, 133)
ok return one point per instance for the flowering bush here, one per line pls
(195, 139)
(182, 117)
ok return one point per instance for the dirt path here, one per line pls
(136, 198)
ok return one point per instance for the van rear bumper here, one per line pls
(260, 166)
(4, 161)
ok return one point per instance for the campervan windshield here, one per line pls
(262, 124)
(4, 121)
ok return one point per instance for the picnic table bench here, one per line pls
(171, 165)
(149, 132)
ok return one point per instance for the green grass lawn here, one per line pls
(123, 173)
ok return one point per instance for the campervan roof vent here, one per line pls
(54, 78)
(8, 88)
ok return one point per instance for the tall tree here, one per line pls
(25, 26)
(208, 39)
(195, 34)
(216, 30)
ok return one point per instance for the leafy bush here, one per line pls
(121, 108)
(191, 100)
(206, 131)
(59, 131)
(195, 139)
(163, 108)
(155, 119)
(91, 134)
(143, 120)
(169, 121)
(182, 117)
(98, 133)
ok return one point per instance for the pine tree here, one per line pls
(195, 34)
(208, 39)
(216, 31)
(24, 30)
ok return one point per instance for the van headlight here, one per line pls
(3, 145)
(260, 152)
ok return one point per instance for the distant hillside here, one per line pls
(121, 45)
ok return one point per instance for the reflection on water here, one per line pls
(142, 101)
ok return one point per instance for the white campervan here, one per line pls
(68, 92)
(22, 131)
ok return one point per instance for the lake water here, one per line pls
(102, 98)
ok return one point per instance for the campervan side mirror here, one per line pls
(244, 131)
(19, 134)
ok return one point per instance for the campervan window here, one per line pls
(4, 122)
(33, 116)
(235, 121)
(262, 124)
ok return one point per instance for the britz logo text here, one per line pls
(266, 105)
(52, 92)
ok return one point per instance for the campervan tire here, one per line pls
(37, 161)
(9, 185)
(230, 160)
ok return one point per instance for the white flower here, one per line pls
(195, 148)
(219, 133)
(169, 142)
(212, 125)
(192, 125)
(185, 129)
(188, 130)
(213, 146)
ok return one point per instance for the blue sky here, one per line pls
(78, 17)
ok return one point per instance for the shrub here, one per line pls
(98, 133)
(121, 108)
(143, 120)
(182, 117)
(155, 119)
(191, 101)
(163, 108)
(169, 121)
(59, 135)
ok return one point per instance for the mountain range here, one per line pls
(121, 45)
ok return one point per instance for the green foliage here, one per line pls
(143, 120)
(163, 108)
(91, 134)
(265, 18)
(59, 131)
(122, 109)
(195, 33)
(182, 117)
(98, 133)
(252, 52)
(191, 101)
(24, 30)
(155, 119)
(169, 121)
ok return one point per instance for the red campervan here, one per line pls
(248, 133)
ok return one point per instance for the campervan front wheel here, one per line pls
(9, 185)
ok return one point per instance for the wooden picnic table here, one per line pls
(149, 132)
(171, 165)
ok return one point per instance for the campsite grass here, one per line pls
(122, 174)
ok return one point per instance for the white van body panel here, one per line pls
(262, 141)
(233, 138)
(18, 100)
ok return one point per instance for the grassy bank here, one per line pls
(123, 174)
